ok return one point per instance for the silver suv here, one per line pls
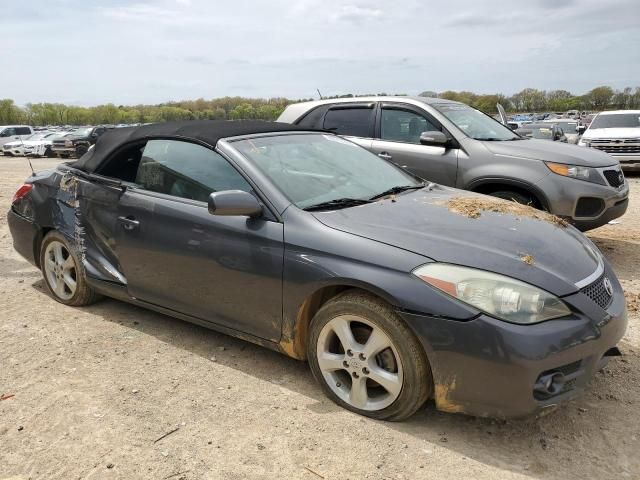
(453, 144)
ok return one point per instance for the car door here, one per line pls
(398, 140)
(226, 270)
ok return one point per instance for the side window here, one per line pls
(9, 132)
(24, 131)
(354, 121)
(403, 125)
(186, 170)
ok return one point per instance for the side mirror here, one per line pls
(234, 203)
(434, 139)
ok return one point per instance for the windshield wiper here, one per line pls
(337, 203)
(397, 189)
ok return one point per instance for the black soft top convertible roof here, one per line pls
(204, 131)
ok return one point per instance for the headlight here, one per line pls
(584, 143)
(501, 297)
(573, 171)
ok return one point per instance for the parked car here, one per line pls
(10, 133)
(618, 134)
(78, 143)
(572, 129)
(542, 131)
(394, 290)
(453, 144)
(26, 147)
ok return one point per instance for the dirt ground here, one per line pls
(95, 389)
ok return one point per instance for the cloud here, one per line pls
(356, 14)
(159, 50)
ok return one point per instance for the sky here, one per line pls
(88, 52)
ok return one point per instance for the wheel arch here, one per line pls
(295, 331)
(492, 184)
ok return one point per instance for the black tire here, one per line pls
(81, 150)
(84, 294)
(417, 381)
(49, 153)
(517, 197)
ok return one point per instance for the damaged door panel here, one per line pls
(87, 214)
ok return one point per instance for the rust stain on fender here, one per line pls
(442, 396)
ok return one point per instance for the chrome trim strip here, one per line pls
(593, 277)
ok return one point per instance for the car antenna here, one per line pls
(319, 93)
(33, 172)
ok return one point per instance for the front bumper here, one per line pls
(487, 367)
(629, 163)
(64, 150)
(565, 197)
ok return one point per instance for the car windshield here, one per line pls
(312, 169)
(476, 124)
(543, 133)
(568, 127)
(618, 120)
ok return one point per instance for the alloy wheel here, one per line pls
(359, 363)
(60, 270)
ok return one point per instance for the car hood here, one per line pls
(612, 133)
(545, 150)
(539, 251)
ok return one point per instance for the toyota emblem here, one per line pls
(608, 286)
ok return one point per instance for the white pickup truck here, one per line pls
(617, 133)
(11, 133)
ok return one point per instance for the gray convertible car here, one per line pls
(394, 290)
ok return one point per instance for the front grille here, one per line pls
(598, 293)
(614, 177)
(619, 146)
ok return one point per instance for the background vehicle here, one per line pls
(77, 143)
(542, 131)
(572, 129)
(278, 231)
(453, 144)
(30, 144)
(617, 133)
(10, 133)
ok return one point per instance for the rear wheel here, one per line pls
(366, 359)
(63, 272)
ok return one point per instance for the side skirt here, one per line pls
(119, 292)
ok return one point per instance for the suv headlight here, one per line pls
(575, 171)
(497, 295)
(584, 143)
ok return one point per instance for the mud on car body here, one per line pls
(395, 291)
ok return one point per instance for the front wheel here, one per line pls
(63, 272)
(366, 359)
(517, 197)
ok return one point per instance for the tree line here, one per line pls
(235, 108)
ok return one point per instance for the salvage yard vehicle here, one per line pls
(31, 144)
(542, 131)
(11, 133)
(618, 134)
(78, 143)
(394, 290)
(453, 144)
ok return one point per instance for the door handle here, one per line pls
(385, 155)
(129, 223)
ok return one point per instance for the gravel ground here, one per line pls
(95, 389)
